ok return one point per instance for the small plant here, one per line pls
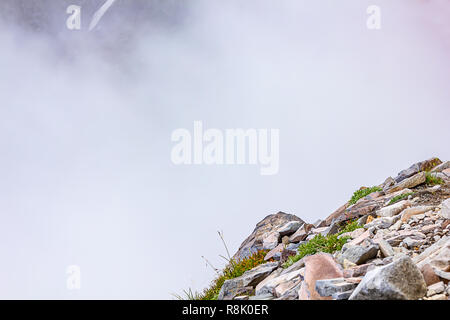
(319, 243)
(361, 193)
(432, 180)
(400, 197)
(233, 270)
(350, 226)
(188, 295)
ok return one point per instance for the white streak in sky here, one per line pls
(99, 13)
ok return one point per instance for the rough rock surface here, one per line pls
(251, 278)
(401, 250)
(399, 280)
(426, 165)
(254, 242)
(411, 182)
(360, 254)
(318, 267)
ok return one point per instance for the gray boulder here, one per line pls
(269, 224)
(399, 280)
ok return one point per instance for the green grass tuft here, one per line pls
(432, 180)
(188, 295)
(319, 243)
(233, 270)
(350, 226)
(400, 197)
(361, 193)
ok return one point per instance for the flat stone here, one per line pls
(394, 209)
(435, 288)
(411, 182)
(289, 228)
(408, 213)
(359, 254)
(399, 280)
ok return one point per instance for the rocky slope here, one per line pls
(401, 249)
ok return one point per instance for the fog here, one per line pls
(86, 120)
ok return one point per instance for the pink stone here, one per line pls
(360, 239)
(429, 276)
(318, 267)
(274, 251)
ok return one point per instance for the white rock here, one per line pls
(393, 209)
(445, 211)
(271, 241)
(437, 255)
(396, 226)
(435, 288)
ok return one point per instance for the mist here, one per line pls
(86, 120)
